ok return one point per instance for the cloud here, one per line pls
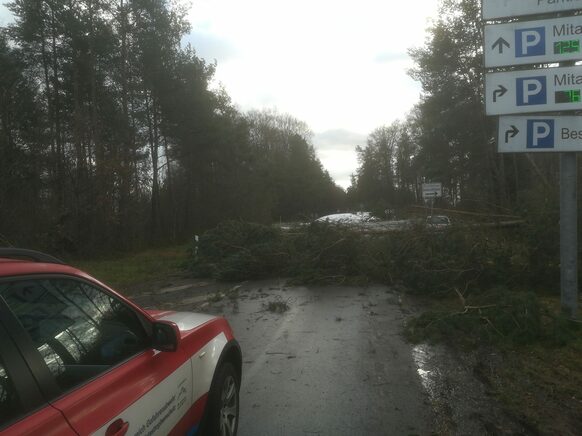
(340, 164)
(6, 16)
(211, 47)
(389, 57)
(338, 139)
(337, 151)
(323, 74)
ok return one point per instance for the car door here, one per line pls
(23, 410)
(103, 374)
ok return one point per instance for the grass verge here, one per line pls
(134, 269)
(528, 356)
(542, 386)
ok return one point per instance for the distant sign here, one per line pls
(531, 42)
(432, 190)
(542, 90)
(513, 8)
(529, 134)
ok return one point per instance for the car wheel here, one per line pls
(223, 403)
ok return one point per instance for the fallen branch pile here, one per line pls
(424, 261)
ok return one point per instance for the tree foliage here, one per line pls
(447, 137)
(112, 134)
(386, 176)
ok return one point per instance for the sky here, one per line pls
(340, 66)
(4, 15)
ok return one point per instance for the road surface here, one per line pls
(334, 363)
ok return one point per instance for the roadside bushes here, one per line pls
(496, 316)
(458, 258)
(237, 250)
(324, 253)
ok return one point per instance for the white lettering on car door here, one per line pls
(159, 410)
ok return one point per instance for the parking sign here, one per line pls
(493, 9)
(540, 134)
(530, 42)
(537, 134)
(531, 91)
(542, 90)
(543, 41)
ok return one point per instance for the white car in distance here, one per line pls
(438, 222)
(348, 218)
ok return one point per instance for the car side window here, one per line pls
(79, 330)
(10, 407)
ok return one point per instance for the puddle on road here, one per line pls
(459, 401)
(422, 355)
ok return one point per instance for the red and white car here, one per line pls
(77, 358)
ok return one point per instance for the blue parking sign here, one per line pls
(540, 134)
(530, 42)
(532, 91)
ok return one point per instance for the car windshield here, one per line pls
(79, 330)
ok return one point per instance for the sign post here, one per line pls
(430, 191)
(569, 234)
(539, 91)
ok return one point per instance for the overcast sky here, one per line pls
(338, 65)
(4, 14)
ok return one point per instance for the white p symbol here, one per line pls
(531, 87)
(541, 130)
(529, 38)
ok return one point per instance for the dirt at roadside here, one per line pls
(539, 387)
(154, 287)
(177, 290)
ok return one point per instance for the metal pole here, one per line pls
(569, 234)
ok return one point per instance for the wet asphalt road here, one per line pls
(334, 363)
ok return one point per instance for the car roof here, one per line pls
(18, 267)
(22, 262)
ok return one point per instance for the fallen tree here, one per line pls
(425, 261)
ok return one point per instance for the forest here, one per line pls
(114, 135)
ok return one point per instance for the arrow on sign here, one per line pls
(511, 133)
(499, 93)
(500, 43)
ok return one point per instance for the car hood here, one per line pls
(184, 320)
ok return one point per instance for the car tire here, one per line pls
(223, 403)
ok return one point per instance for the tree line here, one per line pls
(112, 135)
(448, 138)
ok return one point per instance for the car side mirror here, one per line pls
(166, 336)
